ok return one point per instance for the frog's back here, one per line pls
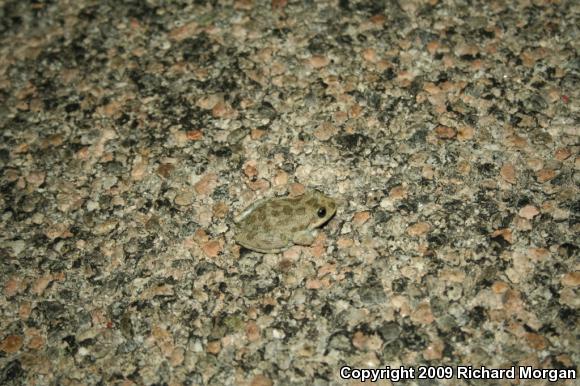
(268, 226)
(256, 231)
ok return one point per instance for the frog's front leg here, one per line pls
(305, 237)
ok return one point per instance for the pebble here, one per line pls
(545, 175)
(11, 344)
(508, 173)
(212, 248)
(528, 212)
(563, 154)
(398, 193)
(445, 132)
(465, 133)
(261, 380)
(571, 279)
(451, 147)
(325, 131)
(184, 198)
(214, 347)
(104, 227)
(418, 229)
(206, 184)
(253, 332)
(318, 61)
(223, 110)
(361, 217)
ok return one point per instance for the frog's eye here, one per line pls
(321, 212)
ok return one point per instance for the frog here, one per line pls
(272, 225)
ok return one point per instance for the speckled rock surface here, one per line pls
(134, 131)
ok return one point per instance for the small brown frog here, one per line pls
(275, 224)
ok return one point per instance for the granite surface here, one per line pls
(132, 132)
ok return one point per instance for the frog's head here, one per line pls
(321, 207)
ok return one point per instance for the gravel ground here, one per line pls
(134, 131)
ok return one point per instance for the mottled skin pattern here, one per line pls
(275, 224)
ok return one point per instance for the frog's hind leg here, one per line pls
(270, 242)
